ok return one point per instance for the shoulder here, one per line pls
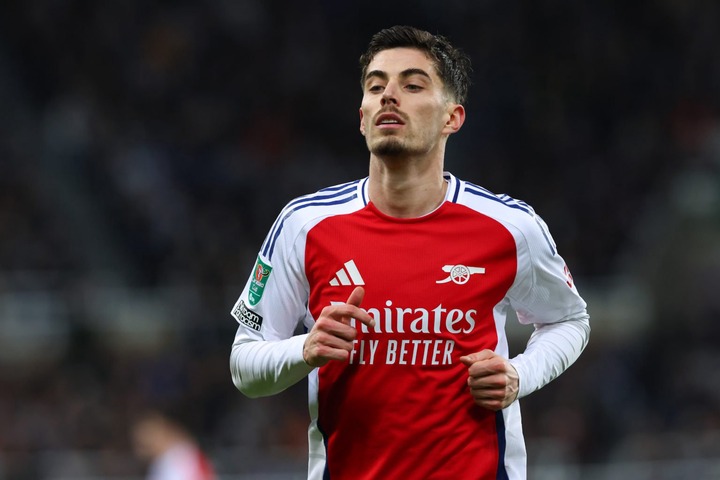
(497, 205)
(304, 211)
(516, 215)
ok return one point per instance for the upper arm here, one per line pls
(274, 298)
(544, 291)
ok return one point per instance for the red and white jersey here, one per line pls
(438, 287)
(184, 461)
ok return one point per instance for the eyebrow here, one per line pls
(404, 74)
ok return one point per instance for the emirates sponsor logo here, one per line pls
(393, 320)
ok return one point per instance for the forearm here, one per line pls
(261, 368)
(552, 348)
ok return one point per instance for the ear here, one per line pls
(456, 118)
(362, 124)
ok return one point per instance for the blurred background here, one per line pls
(147, 146)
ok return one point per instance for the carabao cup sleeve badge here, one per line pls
(257, 284)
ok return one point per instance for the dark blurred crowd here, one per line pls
(147, 145)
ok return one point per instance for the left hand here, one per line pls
(493, 381)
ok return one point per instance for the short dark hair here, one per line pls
(452, 65)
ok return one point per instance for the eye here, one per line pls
(413, 88)
(376, 88)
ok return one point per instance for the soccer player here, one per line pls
(402, 281)
(169, 448)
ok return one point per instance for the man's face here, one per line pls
(404, 110)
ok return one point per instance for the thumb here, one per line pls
(477, 356)
(356, 297)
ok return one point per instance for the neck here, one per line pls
(402, 188)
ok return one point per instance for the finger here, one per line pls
(336, 329)
(477, 356)
(322, 346)
(490, 382)
(344, 312)
(493, 399)
(342, 341)
(483, 394)
(356, 297)
(319, 355)
(486, 369)
(364, 318)
(335, 354)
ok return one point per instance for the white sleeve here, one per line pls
(260, 368)
(545, 295)
(266, 358)
(552, 348)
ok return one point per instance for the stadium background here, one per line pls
(146, 147)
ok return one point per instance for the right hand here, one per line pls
(331, 338)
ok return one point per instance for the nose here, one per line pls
(387, 99)
(389, 95)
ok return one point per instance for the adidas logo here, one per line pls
(348, 275)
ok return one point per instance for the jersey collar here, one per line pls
(453, 190)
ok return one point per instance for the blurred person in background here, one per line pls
(170, 449)
(402, 281)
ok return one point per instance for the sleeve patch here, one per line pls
(247, 317)
(257, 284)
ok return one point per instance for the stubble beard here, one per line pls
(389, 147)
(393, 147)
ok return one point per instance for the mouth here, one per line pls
(389, 120)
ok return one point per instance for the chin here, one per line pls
(389, 147)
